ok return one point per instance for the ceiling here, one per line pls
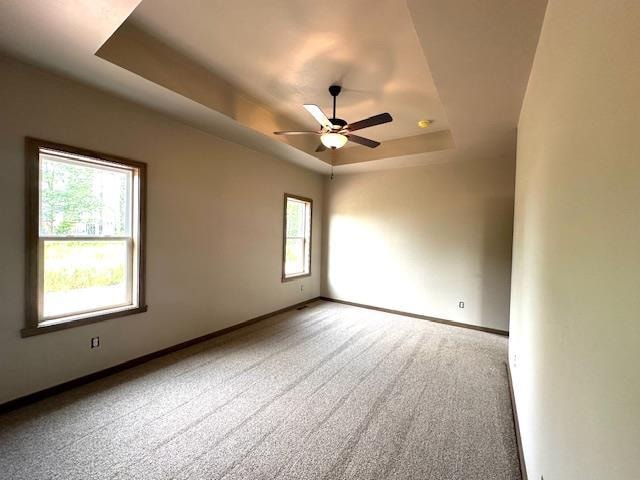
(243, 69)
(287, 52)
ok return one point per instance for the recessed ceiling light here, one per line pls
(424, 123)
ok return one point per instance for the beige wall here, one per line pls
(214, 228)
(422, 239)
(575, 327)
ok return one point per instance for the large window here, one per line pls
(296, 260)
(85, 236)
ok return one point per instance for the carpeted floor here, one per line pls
(327, 392)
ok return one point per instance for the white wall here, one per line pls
(214, 242)
(575, 327)
(422, 239)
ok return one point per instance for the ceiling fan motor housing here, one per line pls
(338, 122)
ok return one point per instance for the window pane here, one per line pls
(82, 276)
(295, 218)
(294, 256)
(81, 199)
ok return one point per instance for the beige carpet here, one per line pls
(327, 392)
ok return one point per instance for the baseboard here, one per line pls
(516, 425)
(48, 392)
(421, 317)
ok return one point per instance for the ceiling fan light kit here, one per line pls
(333, 140)
(335, 132)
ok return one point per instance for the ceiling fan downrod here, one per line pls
(335, 90)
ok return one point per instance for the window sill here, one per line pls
(295, 277)
(77, 322)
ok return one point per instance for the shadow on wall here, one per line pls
(497, 243)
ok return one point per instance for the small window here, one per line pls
(296, 260)
(86, 236)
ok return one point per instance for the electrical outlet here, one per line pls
(95, 342)
(460, 304)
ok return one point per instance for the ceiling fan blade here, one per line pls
(319, 115)
(370, 122)
(296, 132)
(363, 141)
(321, 148)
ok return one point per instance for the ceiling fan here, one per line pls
(335, 132)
